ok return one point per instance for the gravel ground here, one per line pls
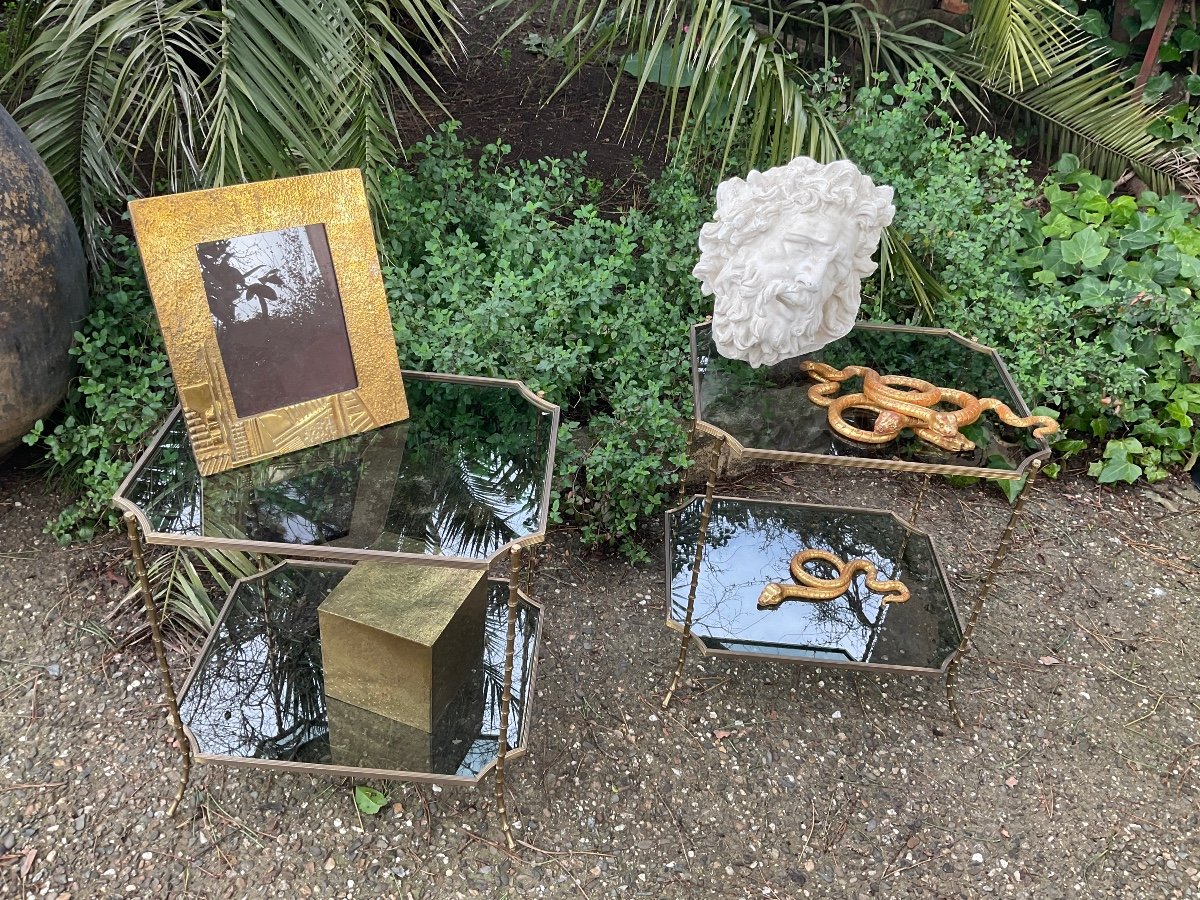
(1078, 774)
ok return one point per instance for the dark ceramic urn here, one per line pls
(43, 287)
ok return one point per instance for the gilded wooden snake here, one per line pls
(901, 402)
(810, 587)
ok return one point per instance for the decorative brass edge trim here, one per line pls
(329, 769)
(877, 668)
(762, 501)
(332, 771)
(885, 465)
(140, 463)
(540, 402)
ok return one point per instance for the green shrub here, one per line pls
(122, 391)
(510, 270)
(1124, 274)
(959, 198)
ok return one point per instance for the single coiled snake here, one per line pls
(901, 402)
(810, 587)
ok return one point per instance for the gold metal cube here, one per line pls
(399, 639)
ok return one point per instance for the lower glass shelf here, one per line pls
(256, 696)
(751, 544)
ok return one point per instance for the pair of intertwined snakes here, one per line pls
(810, 587)
(901, 402)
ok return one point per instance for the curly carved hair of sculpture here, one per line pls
(785, 256)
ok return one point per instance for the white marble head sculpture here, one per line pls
(785, 257)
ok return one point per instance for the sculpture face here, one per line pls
(785, 257)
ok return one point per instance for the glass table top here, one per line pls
(256, 696)
(751, 543)
(463, 478)
(768, 413)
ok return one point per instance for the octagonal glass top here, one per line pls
(466, 476)
(751, 544)
(257, 694)
(767, 413)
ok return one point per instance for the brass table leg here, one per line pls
(514, 577)
(912, 519)
(985, 591)
(687, 452)
(139, 568)
(701, 540)
(921, 491)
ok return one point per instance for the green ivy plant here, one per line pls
(1127, 272)
(121, 392)
(1090, 297)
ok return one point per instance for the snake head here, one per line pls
(945, 426)
(771, 597)
(820, 371)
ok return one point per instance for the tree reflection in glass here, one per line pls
(275, 307)
(751, 544)
(257, 692)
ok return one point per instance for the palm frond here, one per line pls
(896, 260)
(65, 115)
(127, 94)
(1085, 108)
(1014, 40)
(183, 582)
(22, 18)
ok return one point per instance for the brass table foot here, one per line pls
(160, 653)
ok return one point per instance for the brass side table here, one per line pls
(722, 551)
(464, 482)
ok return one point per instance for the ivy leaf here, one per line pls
(368, 800)
(1068, 165)
(1186, 238)
(1093, 23)
(1061, 226)
(665, 67)
(1110, 471)
(1148, 10)
(1137, 240)
(1189, 338)
(1069, 447)
(1157, 86)
(1085, 248)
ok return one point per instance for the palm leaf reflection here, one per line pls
(484, 748)
(474, 470)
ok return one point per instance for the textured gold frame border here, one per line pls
(169, 228)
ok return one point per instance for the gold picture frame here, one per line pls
(273, 310)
